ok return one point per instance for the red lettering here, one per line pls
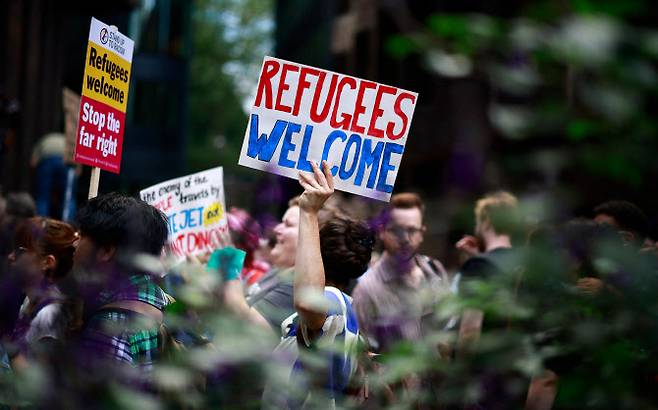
(270, 68)
(316, 98)
(359, 108)
(191, 245)
(163, 205)
(398, 110)
(174, 247)
(346, 118)
(302, 85)
(205, 240)
(215, 238)
(377, 112)
(178, 243)
(283, 86)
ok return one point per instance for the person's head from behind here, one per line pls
(20, 205)
(114, 229)
(496, 214)
(583, 241)
(346, 247)
(629, 220)
(43, 251)
(401, 228)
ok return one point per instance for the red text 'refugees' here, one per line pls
(339, 87)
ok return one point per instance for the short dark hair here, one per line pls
(629, 217)
(129, 224)
(346, 247)
(403, 200)
(20, 204)
(407, 200)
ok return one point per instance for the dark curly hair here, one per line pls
(628, 216)
(346, 246)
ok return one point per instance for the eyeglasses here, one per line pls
(400, 231)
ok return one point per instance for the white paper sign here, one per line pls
(195, 209)
(304, 114)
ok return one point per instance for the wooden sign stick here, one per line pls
(93, 182)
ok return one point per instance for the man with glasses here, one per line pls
(396, 296)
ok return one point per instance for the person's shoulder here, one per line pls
(48, 322)
(365, 287)
(48, 314)
(479, 266)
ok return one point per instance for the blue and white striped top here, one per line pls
(313, 373)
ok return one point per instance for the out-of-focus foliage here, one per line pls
(230, 39)
(579, 75)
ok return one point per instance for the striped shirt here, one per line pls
(306, 381)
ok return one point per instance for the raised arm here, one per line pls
(309, 270)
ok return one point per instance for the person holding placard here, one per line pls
(324, 324)
(271, 298)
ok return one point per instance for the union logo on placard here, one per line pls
(104, 35)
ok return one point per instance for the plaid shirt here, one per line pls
(124, 335)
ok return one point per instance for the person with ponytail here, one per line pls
(42, 257)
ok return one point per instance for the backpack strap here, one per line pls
(43, 304)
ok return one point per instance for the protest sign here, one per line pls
(304, 114)
(102, 111)
(71, 106)
(195, 210)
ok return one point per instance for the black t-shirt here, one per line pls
(490, 264)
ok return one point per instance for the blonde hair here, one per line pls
(499, 210)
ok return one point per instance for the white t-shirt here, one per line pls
(49, 322)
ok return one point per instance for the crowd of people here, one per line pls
(333, 311)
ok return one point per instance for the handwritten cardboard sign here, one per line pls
(304, 114)
(71, 106)
(102, 116)
(195, 209)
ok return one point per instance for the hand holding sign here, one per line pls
(318, 187)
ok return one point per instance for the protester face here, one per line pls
(43, 251)
(83, 257)
(287, 231)
(403, 234)
(29, 265)
(89, 268)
